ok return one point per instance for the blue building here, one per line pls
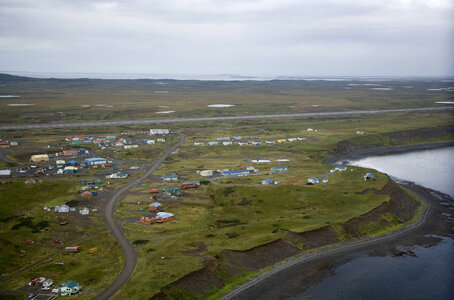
(95, 161)
(340, 168)
(235, 173)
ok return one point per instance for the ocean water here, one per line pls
(430, 168)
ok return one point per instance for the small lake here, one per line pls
(430, 168)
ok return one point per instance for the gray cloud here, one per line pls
(267, 37)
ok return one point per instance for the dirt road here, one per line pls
(112, 225)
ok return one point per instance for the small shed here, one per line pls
(369, 176)
(313, 180)
(155, 206)
(267, 181)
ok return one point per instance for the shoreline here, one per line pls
(410, 234)
(345, 157)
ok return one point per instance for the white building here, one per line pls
(159, 131)
(131, 146)
(62, 208)
(260, 160)
(84, 211)
(206, 173)
(5, 172)
(151, 142)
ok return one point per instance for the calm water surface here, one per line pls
(431, 168)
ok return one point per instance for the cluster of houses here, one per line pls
(245, 141)
(66, 289)
(156, 215)
(66, 209)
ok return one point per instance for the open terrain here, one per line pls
(228, 230)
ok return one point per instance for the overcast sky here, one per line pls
(246, 37)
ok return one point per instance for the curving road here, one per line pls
(108, 214)
(231, 118)
(336, 249)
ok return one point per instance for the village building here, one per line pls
(5, 172)
(30, 181)
(325, 180)
(280, 141)
(70, 169)
(206, 173)
(369, 176)
(155, 206)
(170, 177)
(340, 168)
(118, 144)
(198, 144)
(117, 175)
(95, 161)
(60, 163)
(72, 162)
(84, 211)
(267, 181)
(223, 138)
(173, 191)
(68, 152)
(4, 144)
(62, 208)
(69, 288)
(235, 173)
(164, 217)
(213, 143)
(292, 139)
(260, 160)
(282, 159)
(148, 218)
(192, 184)
(13, 143)
(310, 130)
(270, 142)
(159, 131)
(279, 169)
(150, 142)
(131, 146)
(161, 140)
(313, 180)
(39, 158)
(227, 143)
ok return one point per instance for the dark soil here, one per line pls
(314, 238)
(400, 204)
(261, 256)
